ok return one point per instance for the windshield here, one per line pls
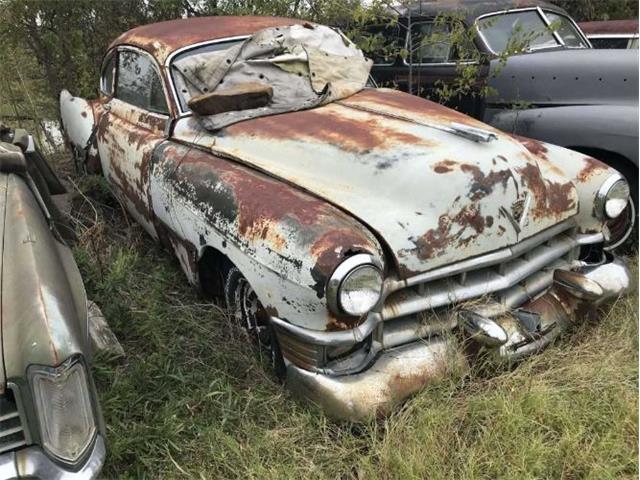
(179, 81)
(529, 30)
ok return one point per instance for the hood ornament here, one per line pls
(518, 214)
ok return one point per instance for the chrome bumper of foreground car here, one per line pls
(395, 373)
(31, 462)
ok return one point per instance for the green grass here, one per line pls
(192, 400)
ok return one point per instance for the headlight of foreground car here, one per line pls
(63, 404)
(356, 285)
(613, 197)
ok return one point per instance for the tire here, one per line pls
(249, 314)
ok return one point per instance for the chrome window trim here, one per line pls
(113, 52)
(158, 70)
(544, 19)
(167, 65)
(612, 35)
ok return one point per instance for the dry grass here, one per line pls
(192, 401)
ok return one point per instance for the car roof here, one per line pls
(610, 26)
(471, 9)
(162, 38)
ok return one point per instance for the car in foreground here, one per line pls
(612, 33)
(50, 422)
(534, 74)
(363, 237)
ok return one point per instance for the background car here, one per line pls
(50, 421)
(612, 33)
(553, 87)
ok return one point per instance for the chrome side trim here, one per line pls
(334, 339)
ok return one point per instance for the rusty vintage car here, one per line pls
(363, 236)
(50, 421)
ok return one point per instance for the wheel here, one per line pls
(246, 309)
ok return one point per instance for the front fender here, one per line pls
(286, 242)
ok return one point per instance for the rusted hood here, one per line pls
(434, 197)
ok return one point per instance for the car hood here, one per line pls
(389, 159)
(43, 305)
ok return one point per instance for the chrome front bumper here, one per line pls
(393, 374)
(31, 462)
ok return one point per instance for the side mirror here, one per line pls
(244, 96)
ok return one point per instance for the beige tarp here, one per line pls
(306, 65)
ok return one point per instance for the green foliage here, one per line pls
(589, 10)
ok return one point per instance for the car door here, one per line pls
(134, 123)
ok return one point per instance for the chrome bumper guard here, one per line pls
(395, 364)
(32, 462)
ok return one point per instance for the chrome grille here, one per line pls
(500, 281)
(12, 434)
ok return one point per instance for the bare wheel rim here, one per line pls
(251, 315)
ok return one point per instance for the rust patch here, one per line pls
(84, 114)
(483, 184)
(326, 125)
(591, 167)
(551, 198)
(410, 104)
(444, 166)
(449, 232)
(534, 146)
(162, 38)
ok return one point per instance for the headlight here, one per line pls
(355, 286)
(612, 198)
(63, 404)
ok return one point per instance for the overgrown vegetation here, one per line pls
(193, 400)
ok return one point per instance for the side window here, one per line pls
(139, 82)
(106, 78)
(431, 43)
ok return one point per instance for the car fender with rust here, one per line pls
(285, 241)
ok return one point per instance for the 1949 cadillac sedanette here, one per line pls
(361, 235)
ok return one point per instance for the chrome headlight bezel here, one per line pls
(603, 196)
(343, 272)
(84, 408)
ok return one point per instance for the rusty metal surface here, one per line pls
(162, 38)
(286, 242)
(610, 26)
(286, 198)
(398, 374)
(448, 195)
